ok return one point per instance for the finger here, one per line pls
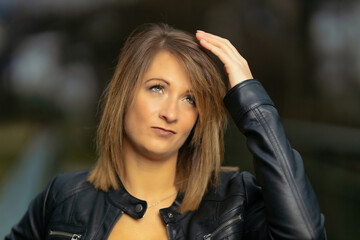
(219, 47)
(218, 41)
(227, 57)
(213, 38)
(224, 58)
(235, 65)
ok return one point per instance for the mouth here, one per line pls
(164, 130)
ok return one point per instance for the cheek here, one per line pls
(140, 112)
(146, 107)
(190, 120)
(128, 122)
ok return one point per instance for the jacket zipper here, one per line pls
(73, 236)
(222, 226)
(168, 231)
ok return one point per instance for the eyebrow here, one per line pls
(189, 91)
(161, 79)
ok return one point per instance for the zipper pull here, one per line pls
(207, 237)
(76, 237)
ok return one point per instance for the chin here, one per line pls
(159, 155)
(158, 152)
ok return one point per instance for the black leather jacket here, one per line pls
(279, 204)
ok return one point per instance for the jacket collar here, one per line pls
(136, 208)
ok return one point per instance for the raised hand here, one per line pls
(236, 67)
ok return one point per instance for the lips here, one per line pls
(163, 131)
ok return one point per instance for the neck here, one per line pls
(148, 178)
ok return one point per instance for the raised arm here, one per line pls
(291, 208)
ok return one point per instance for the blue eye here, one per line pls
(190, 100)
(157, 89)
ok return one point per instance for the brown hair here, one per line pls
(200, 158)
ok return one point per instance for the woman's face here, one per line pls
(163, 112)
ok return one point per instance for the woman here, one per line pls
(160, 145)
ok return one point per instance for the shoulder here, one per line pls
(66, 185)
(71, 179)
(232, 197)
(234, 183)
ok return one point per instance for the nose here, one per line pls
(169, 111)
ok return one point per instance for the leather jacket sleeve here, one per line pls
(33, 223)
(290, 209)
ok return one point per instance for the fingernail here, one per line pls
(200, 31)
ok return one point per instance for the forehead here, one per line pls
(167, 66)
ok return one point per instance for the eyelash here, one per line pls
(190, 100)
(158, 88)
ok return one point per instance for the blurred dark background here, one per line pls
(57, 56)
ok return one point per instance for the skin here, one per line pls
(156, 126)
(150, 152)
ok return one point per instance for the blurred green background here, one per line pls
(57, 56)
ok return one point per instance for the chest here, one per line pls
(114, 226)
(98, 218)
(149, 227)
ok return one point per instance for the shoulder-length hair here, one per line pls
(200, 158)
